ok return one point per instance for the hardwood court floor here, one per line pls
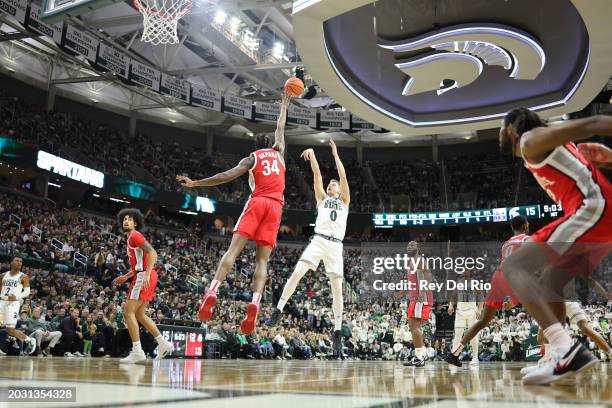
(294, 384)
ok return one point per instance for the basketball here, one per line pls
(294, 87)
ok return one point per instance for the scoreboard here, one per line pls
(390, 220)
(187, 342)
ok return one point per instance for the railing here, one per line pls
(79, 258)
(13, 219)
(37, 232)
(57, 244)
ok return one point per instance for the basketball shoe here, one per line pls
(453, 359)
(206, 309)
(415, 362)
(273, 320)
(163, 348)
(558, 366)
(135, 357)
(249, 324)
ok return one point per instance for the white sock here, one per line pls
(419, 352)
(558, 337)
(159, 339)
(136, 347)
(256, 298)
(214, 285)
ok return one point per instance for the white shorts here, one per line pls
(320, 249)
(574, 312)
(9, 313)
(465, 318)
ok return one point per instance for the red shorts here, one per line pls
(500, 290)
(136, 290)
(579, 241)
(418, 310)
(260, 221)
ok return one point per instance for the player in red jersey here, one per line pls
(142, 258)
(421, 302)
(260, 218)
(569, 246)
(500, 290)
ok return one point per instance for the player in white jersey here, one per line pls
(326, 243)
(15, 287)
(467, 313)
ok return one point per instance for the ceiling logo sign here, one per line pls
(66, 168)
(456, 56)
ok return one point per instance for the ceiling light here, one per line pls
(322, 141)
(188, 212)
(220, 17)
(278, 50)
(235, 25)
(467, 137)
(396, 141)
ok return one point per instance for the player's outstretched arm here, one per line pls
(219, 178)
(598, 154)
(279, 134)
(345, 192)
(309, 155)
(537, 143)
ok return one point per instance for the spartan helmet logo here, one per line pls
(456, 56)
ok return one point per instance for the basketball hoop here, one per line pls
(160, 19)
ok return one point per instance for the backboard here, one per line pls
(57, 10)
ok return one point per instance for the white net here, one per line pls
(160, 19)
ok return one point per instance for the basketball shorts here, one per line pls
(320, 249)
(418, 310)
(464, 318)
(574, 312)
(500, 290)
(260, 221)
(580, 240)
(137, 292)
(9, 313)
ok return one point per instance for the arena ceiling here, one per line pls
(343, 52)
(426, 67)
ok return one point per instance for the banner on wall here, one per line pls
(80, 42)
(335, 120)
(267, 112)
(206, 97)
(15, 8)
(176, 87)
(359, 124)
(237, 106)
(145, 75)
(34, 23)
(302, 116)
(113, 60)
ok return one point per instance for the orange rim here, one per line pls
(140, 7)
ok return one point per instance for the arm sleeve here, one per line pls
(24, 293)
(136, 240)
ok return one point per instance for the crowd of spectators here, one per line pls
(481, 181)
(74, 310)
